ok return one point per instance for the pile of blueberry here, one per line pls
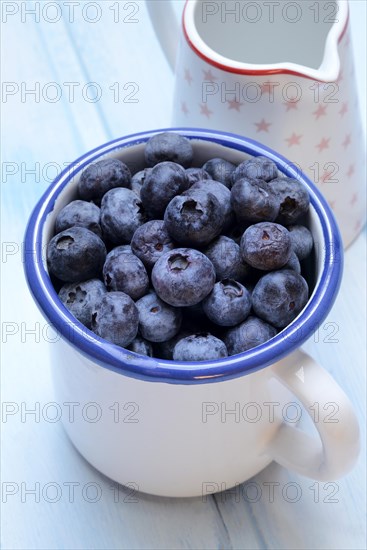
(180, 262)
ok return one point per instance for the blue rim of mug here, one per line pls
(122, 361)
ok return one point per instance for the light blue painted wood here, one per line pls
(130, 58)
(39, 452)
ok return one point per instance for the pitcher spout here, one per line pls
(330, 67)
(302, 42)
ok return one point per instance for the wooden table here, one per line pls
(72, 506)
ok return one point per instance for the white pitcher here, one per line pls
(281, 73)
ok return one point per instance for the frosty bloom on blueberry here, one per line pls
(161, 185)
(253, 202)
(158, 322)
(115, 318)
(266, 246)
(196, 174)
(122, 213)
(302, 241)
(123, 271)
(76, 254)
(293, 198)
(259, 168)
(223, 195)
(182, 260)
(183, 277)
(225, 255)
(247, 335)
(81, 298)
(101, 176)
(80, 213)
(228, 304)
(194, 219)
(150, 241)
(199, 347)
(220, 170)
(168, 146)
(279, 297)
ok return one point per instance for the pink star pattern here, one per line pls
(347, 141)
(234, 104)
(350, 170)
(326, 175)
(293, 139)
(329, 132)
(289, 105)
(208, 75)
(184, 108)
(324, 144)
(205, 111)
(188, 77)
(344, 109)
(320, 111)
(262, 126)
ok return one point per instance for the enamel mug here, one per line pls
(278, 72)
(188, 429)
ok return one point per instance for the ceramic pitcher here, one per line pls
(281, 73)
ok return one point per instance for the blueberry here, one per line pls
(225, 255)
(183, 277)
(253, 202)
(138, 180)
(125, 272)
(165, 181)
(121, 214)
(164, 350)
(249, 334)
(168, 146)
(141, 346)
(194, 219)
(223, 195)
(120, 249)
(196, 174)
(76, 254)
(115, 318)
(302, 241)
(260, 168)
(199, 347)
(158, 321)
(101, 176)
(293, 198)
(80, 213)
(150, 241)
(279, 297)
(293, 263)
(266, 246)
(80, 298)
(228, 304)
(220, 170)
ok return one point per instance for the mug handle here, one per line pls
(164, 22)
(336, 451)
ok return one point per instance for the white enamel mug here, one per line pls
(189, 429)
(278, 72)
